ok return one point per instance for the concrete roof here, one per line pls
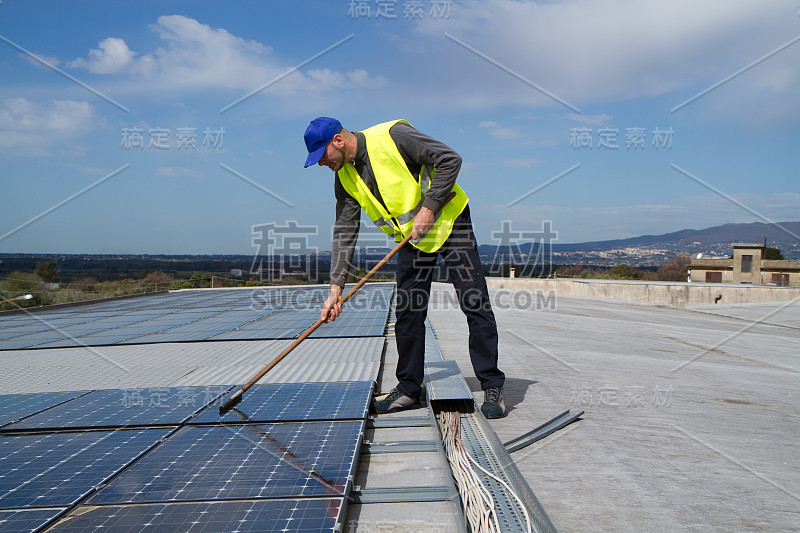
(692, 419)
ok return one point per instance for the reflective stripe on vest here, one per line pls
(402, 194)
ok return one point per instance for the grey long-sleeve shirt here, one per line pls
(417, 149)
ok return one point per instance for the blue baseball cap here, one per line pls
(318, 134)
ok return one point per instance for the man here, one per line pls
(401, 178)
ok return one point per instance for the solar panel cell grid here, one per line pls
(27, 520)
(129, 407)
(250, 516)
(55, 469)
(17, 332)
(279, 402)
(269, 313)
(285, 460)
(256, 334)
(17, 406)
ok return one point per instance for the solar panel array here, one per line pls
(302, 516)
(55, 469)
(224, 314)
(27, 519)
(286, 402)
(250, 461)
(124, 408)
(16, 406)
(119, 459)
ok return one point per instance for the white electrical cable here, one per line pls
(477, 501)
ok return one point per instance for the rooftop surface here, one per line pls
(132, 446)
(692, 418)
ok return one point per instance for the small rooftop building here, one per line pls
(747, 266)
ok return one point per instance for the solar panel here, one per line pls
(125, 407)
(303, 516)
(54, 469)
(27, 520)
(15, 407)
(280, 402)
(21, 330)
(286, 460)
(262, 313)
(91, 340)
(27, 341)
(163, 337)
(279, 332)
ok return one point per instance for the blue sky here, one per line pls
(508, 84)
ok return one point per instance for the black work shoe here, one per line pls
(494, 406)
(393, 402)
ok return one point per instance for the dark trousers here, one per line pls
(414, 275)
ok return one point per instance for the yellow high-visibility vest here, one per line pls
(401, 192)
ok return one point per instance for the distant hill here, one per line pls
(717, 239)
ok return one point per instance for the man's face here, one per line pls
(334, 155)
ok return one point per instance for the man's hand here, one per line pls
(332, 308)
(423, 222)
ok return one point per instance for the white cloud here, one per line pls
(112, 57)
(33, 128)
(20, 114)
(588, 52)
(351, 79)
(777, 207)
(195, 55)
(595, 120)
(53, 60)
(576, 223)
(519, 162)
(178, 172)
(529, 116)
(499, 131)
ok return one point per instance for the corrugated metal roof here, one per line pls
(202, 363)
(61, 378)
(141, 342)
(322, 371)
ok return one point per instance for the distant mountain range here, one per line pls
(714, 240)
